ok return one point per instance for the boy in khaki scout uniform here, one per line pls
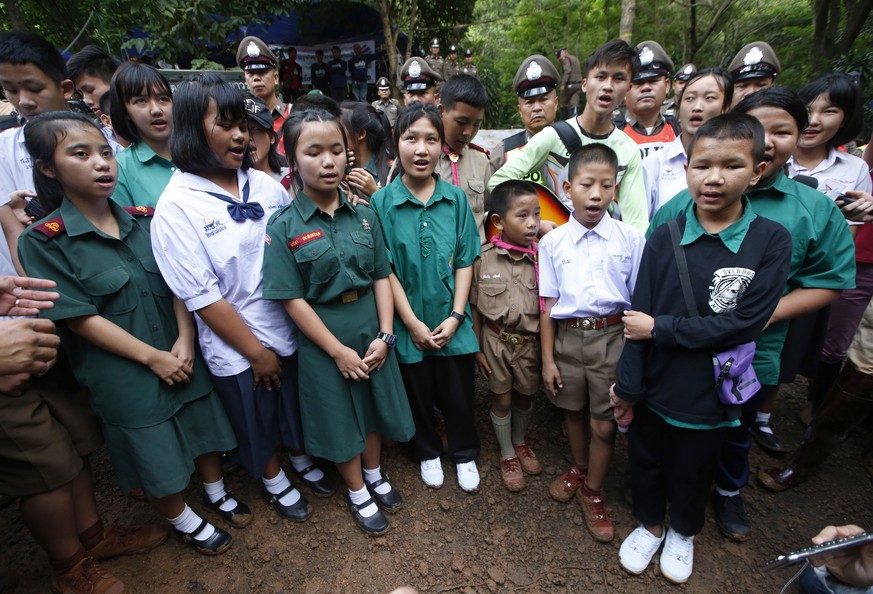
(506, 318)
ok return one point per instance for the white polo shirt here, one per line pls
(664, 174)
(837, 174)
(206, 256)
(591, 272)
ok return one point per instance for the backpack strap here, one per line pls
(682, 265)
(568, 136)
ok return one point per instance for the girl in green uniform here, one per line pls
(326, 260)
(129, 341)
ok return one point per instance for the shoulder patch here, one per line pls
(51, 227)
(476, 147)
(140, 211)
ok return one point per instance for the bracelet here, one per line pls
(389, 339)
(458, 316)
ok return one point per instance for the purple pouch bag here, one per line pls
(735, 378)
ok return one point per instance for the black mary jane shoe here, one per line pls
(323, 487)
(297, 512)
(216, 544)
(391, 501)
(238, 517)
(375, 525)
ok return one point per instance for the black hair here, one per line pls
(23, 47)
(361, 117)
(778, 97)
(317, 101)
(722, 79)
(189, 146)
(129, 81)
(732, 126)
(612, 52)
(464, 88)
(506, 193)
(104, 103)
(844, 92)
(408, 116)
(93, 60)
(591, 153)
(293, 127)
(336, 47)
(319, 53)
(42, 133)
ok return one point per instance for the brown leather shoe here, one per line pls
(86, 577)
(597, 521)
(779, 479)
(528, 460)
(129, 541)
(565, 486)
(513, 477)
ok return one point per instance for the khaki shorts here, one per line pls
(514, 366)
(586, 360)
(44, 433)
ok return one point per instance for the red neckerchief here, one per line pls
(453, 157)
(496, 241)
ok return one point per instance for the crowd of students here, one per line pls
(243, 280)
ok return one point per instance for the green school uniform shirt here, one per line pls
(119, 280)
(311, 255)
(822, 252)
(426, 243)
(142, 176)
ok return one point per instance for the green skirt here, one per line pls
(337, 413)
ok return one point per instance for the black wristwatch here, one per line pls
(389, 339)
(459, 316)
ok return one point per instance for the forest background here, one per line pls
(811, 37)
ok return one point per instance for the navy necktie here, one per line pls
(240, 211)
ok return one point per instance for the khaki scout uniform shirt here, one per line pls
(473, 175)
(505, 290)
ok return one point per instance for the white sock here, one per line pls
(279, 483)
(188, 521)
(763, 421)
(371, 476)
(216, 491)
(359, 497)
(725, 493)
(503, 431)
(305, 461)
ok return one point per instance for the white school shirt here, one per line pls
(664, 174)
(205, 256)
(837, 174)
(591, 272)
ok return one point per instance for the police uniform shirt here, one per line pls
(572, 70)
(451, 68)
(206, 256)
(591, 272)
(470, 69)
(435, 63)
(664, 174)
(473, 175)
(391, 109)
(837, 174)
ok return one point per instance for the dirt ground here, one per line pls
(449, 541)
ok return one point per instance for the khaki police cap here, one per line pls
(253, 54)
(468, 53)
(685, 73)
(536, 76)
(756, 60)
(435, 42)
(383, 83)
(417, 75)
(654, 61)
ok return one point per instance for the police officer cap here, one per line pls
(417, 75)
(756, 60)
(468, 53)
(253, 54)
(654, 61)
(453, 50)
(256, 111)
(536, 76)
(685, 73)
(435, 42)
(383, 83)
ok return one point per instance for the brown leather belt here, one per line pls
(511, 335)
(594, 323)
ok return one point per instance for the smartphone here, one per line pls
(812, 550)
(846, 200)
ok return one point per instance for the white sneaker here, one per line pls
(638, 548)
(677, 558)
(432, 473)
(468, 476)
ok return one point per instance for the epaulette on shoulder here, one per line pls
(476, 147)
(51, 227)
(140, 211)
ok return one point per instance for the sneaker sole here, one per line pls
(672, 579)
(631, 571)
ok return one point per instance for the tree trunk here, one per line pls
(13, 11)
(628, 12)
(390, 39)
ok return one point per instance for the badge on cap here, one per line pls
(753, 56)
(688, 69)
(415, 69)
(534, 71)
(253, 50)
(646, 56)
